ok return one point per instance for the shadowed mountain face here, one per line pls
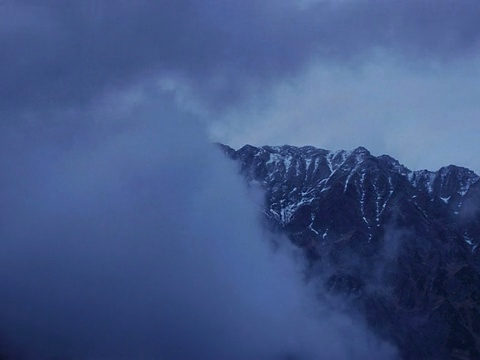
(399, 247)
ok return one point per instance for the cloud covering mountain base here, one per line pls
(141, 241)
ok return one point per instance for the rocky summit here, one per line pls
(399, 247)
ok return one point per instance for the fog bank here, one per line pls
(135, 238)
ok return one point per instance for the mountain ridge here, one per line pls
(423, 227)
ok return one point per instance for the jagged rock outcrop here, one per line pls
(401, 246)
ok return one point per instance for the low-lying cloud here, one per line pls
(141, 242)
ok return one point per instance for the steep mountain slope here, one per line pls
(401, 246)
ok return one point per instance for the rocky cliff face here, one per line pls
(400, 246)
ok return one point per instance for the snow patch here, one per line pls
(445, 199)
(469, 241)
(325, 234)
(312, 217)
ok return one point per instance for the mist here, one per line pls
(125, 234)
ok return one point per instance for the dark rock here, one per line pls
(404, 244)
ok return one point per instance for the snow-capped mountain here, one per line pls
(401, 245)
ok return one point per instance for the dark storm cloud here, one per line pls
(58, 53)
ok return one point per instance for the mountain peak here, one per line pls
(361, 151)
(405, 244)
(315, 174)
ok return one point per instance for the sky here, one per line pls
(397, 77)
(123, 230)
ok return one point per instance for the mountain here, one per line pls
(400, 247)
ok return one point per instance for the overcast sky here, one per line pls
(112, 195)
(124, 233)
(398, 77)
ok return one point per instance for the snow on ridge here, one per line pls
(274, 158)
(312, 170)
(332, 159)
(329, 158)
(423, 177)
(312, 218)
(445, 199)
(469, 241)
(289, 208)
(464, 177)
(353, 172)
(466, 184)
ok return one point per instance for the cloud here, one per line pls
(123, 233)
(67, 54)
(140, 241)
